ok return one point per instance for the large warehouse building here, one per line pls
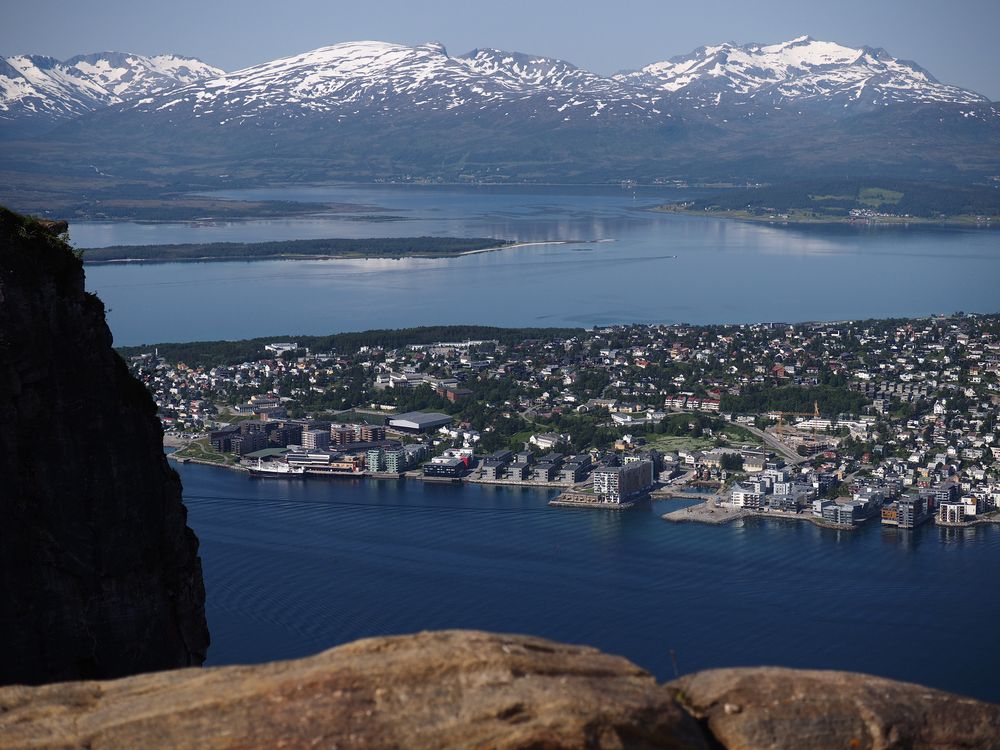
(418, 421)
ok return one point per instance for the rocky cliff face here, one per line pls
(465, 689)
(99, 573)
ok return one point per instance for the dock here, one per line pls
(706, 512)
(579, 499)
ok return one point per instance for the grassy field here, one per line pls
(878, 197)
(673, 443)
(201, 450)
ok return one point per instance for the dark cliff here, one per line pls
(99, 573)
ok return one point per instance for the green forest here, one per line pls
(837, 197)
(831, 400)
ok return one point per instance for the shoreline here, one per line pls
(708, 513)
(318, 256)
(514, 245)
(705, 512)
(883, 222)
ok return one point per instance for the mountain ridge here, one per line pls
(378, 110)
(37, 91)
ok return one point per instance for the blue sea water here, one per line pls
(292, 567)
(621, 263)
(296, 566)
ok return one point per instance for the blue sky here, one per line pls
(956, 41)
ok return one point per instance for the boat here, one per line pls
(276, 469)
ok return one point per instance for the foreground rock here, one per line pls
(774, 708)
(452, 689)
(99, 574)
(466, 689)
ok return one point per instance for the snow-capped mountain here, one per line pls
(802, 70)
(375, 109)
(377, 79)
(44, 91)
(359, 78)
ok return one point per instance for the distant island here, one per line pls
(891, 203)
(378, 247)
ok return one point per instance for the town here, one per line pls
(837, 424)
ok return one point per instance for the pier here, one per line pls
(583, 499)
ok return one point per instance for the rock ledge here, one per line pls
(468, 689)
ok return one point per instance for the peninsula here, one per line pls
(377, 247)
(851, 203)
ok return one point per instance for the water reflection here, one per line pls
(659, 268)
(956, 535)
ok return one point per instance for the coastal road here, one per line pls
(772, 442)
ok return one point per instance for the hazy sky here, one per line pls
(957, 41)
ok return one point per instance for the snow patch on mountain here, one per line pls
(367, 79)
(803, 69)
(34, 86)
(379, 77)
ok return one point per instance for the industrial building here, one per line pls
(418, 421)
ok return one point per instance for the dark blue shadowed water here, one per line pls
(293, 567)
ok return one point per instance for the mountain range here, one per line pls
(37, 92)
(380, 110)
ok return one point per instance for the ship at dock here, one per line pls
(274, 469)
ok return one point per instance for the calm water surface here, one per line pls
(623, 263)
(292, 567)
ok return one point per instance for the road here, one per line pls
(772, 442)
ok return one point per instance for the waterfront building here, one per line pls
(518, 471)
(309, 459)
(495, 465)
(819, 506)
(934, 496)
(906, 512)
(546, 470)
(396, 460)
(375, 460)
(616, 484)
(784, 502)
(415, 453)
(315, 440)
(843, 514)
(444, 467)
(747, 495)
(951, 511)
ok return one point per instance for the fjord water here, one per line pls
(622, 263)
(293, 567)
